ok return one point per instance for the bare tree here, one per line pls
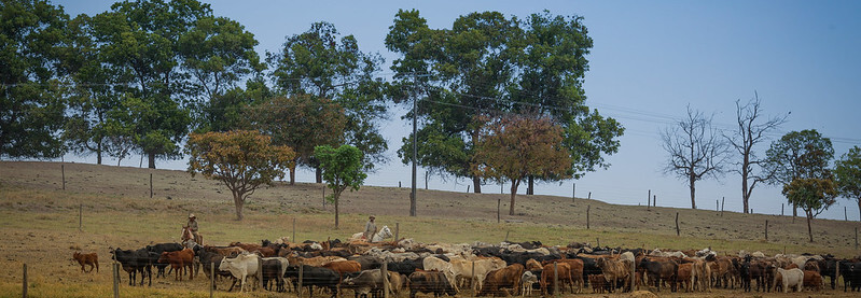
(749, 133)
(696, 150)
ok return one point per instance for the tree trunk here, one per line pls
(239, 202)
(859, 209)
(99, 153)
(809, 230)
(293, 174)
(336, 195)
(794, 211)
(530, 190)
(745, 196)
(514, 184)
(319, 174)
(151, 160)
(693, 193)
(476, 184)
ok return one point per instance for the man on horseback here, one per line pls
(192, 225)
(370, 229)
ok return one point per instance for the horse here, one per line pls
(381, 235)
(186, 237)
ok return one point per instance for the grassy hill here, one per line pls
(39, 222)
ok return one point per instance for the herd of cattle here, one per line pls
(489, 270)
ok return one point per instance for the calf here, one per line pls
(599, 284)
(685, 276)
(548, 277)
(528, 279)
(812, 280)
(273, 269)
(91, 259)
(178, 260)
(434, 282)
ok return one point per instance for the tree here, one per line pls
(141, 40)
(847, 173)
(803, 154)
(342, 169)
(552, 67)
(749, 133)
(217, 52)
(33, 39)
(516, 147)
(317, 63)
(695, 149)
(242, 160)
(813, 195)
(302, 122)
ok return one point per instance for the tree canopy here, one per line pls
(515, 147)
(847, 173)
(242, 160)
(33, 44)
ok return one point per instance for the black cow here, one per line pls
(160, 248)
(852, 274)
(744, 274)
(406, 267)
(134, 261)
(367, 261)
(430, 282)
(313, 276)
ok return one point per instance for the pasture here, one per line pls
(39, 224)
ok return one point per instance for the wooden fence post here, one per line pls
(781, 209)
(385, 272)
(598, 240)
(766, 230)
(211, 279)
(116, 273)
(590, 195)
(845, 216)
(717, 205)
(633, 275)
(506, 235)
(397, 230)
(299, 290)
(654, 200)
(472, 280)
(150, 185)
(574, 192)
(588, 209)
(498, 204)
(555, 279)
(63, 170)
(467, 188)
(24, 289)
(722, 204)
(648, 196)
(678, 232)
(260, 271)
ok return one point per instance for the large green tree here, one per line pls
(798, 155)
(342, 170)
(488, 62)
(302, 122)
(322, 63)
(142, 39)
(33, 41)
(847, 172)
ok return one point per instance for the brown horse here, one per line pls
(186, 235)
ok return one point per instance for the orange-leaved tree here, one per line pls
(515, 147)
(241, 159)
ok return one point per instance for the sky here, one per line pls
(650, 60)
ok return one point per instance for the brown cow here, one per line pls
(576, 267)
(227, 251)
(246, 246)
(532, 264)
(508, 277)
(178, 260)
(91, 259)
(343, 267)
(599, 284)
(547, 279)
(812, 280)
(614, 270)
(685, 276)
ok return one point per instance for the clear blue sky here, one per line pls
(650, 59)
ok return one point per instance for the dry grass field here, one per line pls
(39, 225)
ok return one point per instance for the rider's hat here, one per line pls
(191, 215)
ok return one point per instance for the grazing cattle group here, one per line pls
(507, 269)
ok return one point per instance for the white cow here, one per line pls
(790, 278)
(241, 267)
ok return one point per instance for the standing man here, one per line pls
(192, 225)
(370, 229)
